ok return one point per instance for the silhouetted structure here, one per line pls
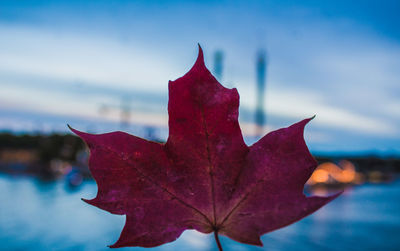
(261, 66)
(124, 110)
(218, 64)
(125, 114)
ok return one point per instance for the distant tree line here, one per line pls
(47, 147)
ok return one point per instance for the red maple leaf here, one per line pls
(204, 177)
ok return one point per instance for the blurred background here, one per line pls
(103, 66)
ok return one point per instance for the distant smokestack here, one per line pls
(218, 64)
(125, 113)
(261, 66)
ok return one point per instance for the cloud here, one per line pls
(335, 68)
(300, 104)
(79, 57)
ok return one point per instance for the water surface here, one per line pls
(37, 215)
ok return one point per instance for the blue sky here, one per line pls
(78, 62)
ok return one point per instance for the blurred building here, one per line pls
(261, 65)
(218, 64)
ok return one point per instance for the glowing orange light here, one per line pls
(320, 176)
(329, 172)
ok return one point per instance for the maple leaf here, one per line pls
(204, 177)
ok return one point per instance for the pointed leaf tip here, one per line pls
(76, 132)
(200, 56)
(200, 49)
(85, 136)
(87, 201)
(307, 120)
(198, 66)
(73, 130)
(335, 195)
(303, 122)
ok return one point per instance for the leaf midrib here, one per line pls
(211, 169)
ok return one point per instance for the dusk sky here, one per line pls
(76, 62)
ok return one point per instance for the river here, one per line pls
(37, 215)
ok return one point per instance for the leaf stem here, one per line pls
(217, 240)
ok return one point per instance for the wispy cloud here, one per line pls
(339, 69)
